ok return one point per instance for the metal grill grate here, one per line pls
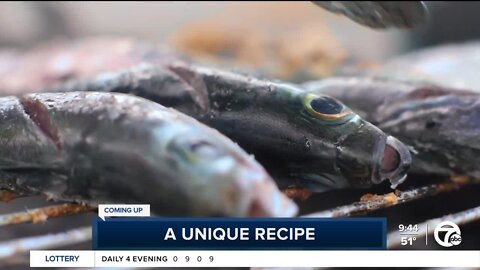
(14, 250)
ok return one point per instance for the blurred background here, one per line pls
(285, 38)
(27, 23)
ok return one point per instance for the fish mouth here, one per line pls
(395, 162)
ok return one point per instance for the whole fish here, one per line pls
(114, 148)
(304, 140)
(379, 14)
(440, 123)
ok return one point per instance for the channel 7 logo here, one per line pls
(452, 236)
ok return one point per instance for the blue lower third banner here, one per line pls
(239, 234)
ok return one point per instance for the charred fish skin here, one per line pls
(440, 123)
(115, 148)
(442, 129)
(303, 140)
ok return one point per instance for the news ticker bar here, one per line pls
(244, 258)
(239, 234)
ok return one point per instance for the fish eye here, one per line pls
(325, 107)
(195, 150)
(206, 150)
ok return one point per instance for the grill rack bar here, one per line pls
(43, 213)
(377, 202)
(8, 195)
(10, 251)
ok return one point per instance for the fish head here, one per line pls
(344, 150)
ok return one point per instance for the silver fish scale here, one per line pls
(379, 14)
